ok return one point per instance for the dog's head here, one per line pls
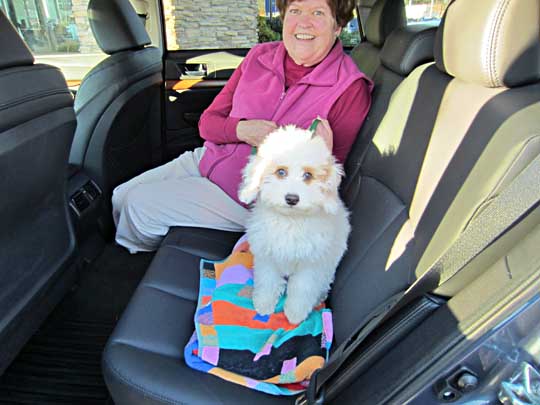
(292, 171)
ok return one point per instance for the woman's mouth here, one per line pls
(304, 37)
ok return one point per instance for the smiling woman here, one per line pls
(305, 77)
(309, 30)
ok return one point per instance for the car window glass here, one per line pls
(229, 24)
(59, 34)
(425, 11)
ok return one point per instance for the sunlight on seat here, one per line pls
(448, 133)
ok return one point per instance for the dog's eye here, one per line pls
(281, 172)
(307, 176)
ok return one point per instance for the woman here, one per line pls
(305, 76)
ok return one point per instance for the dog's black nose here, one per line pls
(292, 199)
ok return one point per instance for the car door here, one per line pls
(205, 43)
(192, 79)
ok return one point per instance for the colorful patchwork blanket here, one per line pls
(232, 341)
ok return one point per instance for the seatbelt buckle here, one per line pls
(311, 396)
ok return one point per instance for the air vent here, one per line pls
(92, 189)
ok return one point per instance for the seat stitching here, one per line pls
(415, 43)
(128, 55)
(166, 292)
(121, 86)
(491, 51)
(498, 25)
(361, 258)
(33, 96)
(30, 68)
(201, 236)
(386, 186)
(144, 390)
(491, 195)
(188, 251)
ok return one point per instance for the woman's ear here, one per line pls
(331, 187)
(252, 177)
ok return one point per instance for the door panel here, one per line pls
(192, 80)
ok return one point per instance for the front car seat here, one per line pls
(37, 242)
(117, 103)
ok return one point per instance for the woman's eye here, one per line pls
(281, 172)
(307, 176)
(294, 11)
(318, 13)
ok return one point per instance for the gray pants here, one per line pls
(174, 194)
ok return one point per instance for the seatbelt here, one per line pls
(504, 210)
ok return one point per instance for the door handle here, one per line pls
(194, 70)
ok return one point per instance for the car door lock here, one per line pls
(452, 387)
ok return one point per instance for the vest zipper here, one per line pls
(281, 97)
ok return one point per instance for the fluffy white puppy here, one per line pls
(298, 227)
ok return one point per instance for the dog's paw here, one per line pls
(296, 313)
(264, 304)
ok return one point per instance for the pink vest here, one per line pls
(261, 94)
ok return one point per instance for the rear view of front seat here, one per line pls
(117, 100)
(384, 17)
(37, 243)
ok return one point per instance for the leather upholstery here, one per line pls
(144, 363)
(117, 103)
(407, 48)
(14, 50)
(440, 151)
(116, 26)
(37, 242)
(174, 271)
(384, 17)
(498, 46)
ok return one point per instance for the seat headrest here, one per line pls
(384, 17)
(14, 51)
(494, 43)
(408, 47)
(116, 26)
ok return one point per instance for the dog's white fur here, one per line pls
(300, 246)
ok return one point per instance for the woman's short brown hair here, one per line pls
(342, 9)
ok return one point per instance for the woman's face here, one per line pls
(309, 31)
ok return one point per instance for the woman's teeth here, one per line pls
(304, 36)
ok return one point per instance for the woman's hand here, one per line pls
(253, 132)
(323, 130)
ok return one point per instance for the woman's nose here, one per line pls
(304, 20)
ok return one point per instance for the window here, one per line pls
(425, 11)
(229, 24)
(59, 34)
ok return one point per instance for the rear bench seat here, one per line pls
(455, 133)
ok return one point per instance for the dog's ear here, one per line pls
(252, 177)
(334, 173)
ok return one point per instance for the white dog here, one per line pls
(298, 227)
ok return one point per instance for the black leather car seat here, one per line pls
(118, 101)
(455, 133)
(405, 49)
(384, 17)
(37, 243)
(172, 274)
